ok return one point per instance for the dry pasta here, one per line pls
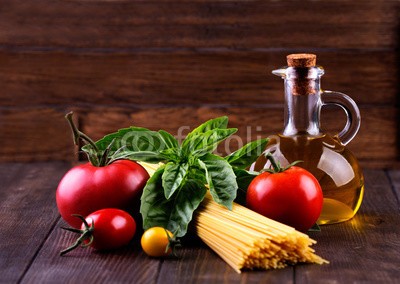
(150, 168)
(247, 240)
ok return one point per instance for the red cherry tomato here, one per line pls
(293, 197)
(113, 228)
(86, 188)
(104, 229)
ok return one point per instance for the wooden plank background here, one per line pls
(165, 64)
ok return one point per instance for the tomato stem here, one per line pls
(173, 243)
(276, 166)
(85, 234)
(104, 160)
(78, 134)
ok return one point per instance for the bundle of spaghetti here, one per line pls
(248, 240)
(150, 168)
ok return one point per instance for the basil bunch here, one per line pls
(178, 187)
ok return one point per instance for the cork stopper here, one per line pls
(301, 60)
(302, 85)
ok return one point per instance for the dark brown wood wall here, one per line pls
(164, 64)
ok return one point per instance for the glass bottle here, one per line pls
(324, 155)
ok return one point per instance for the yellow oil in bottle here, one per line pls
(334, 166)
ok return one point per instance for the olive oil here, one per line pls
(324, 155)
(334, 166)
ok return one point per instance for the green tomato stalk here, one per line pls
(86, 234)
(276, 166)
(97, 157)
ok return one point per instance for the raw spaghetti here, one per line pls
(247, 240)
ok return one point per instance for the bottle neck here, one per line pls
(302, 104)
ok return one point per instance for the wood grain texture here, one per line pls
(365, 249)
(197, 55)
(202, 265)
(376, 133)
(28, 213)
(395, 180)
(200, 24)
(182, 78)
(126, 265)
(35, 134)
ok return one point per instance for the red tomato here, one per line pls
(86, 188)
(113, 228)
(293, 197)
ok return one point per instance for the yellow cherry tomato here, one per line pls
(155, 241)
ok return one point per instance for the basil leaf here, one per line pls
(172, 177)
(104, 142)
(143, 156)
(223, 185)
(175, 213)
(219, 122)
(243, 179)
(171, 154)
(187, 200)
(197, 174)
(246, 155)
(149, 141)
(153, 203)
(169, 140)
(207, 175)
(137, 143)
(203, 143)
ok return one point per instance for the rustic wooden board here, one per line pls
(208, 24)
(196, 264)
(361, 250)
(28, 213)
(127, 265)
(365, 249)
(395, 180)
(35, 134)
(31, 79)
(378, 126)
(202, 265)
(199, 55)
(376, 133)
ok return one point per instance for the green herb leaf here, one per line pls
(202, 143)
(137, 143)
(173, 177)
(176, 189)
(169, 140)
(153, 201)
(187, 199)
(243, 179)
(104, 142)
(171, 154)
(221, 179)
(175, 213)
(216, 123)
(246, 155)
(143, 156)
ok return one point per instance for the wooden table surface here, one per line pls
(365, 249)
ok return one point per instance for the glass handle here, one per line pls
(351, 110)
